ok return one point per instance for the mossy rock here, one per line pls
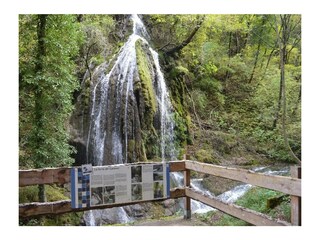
(145, 75)
(178, 71)
(151, 143)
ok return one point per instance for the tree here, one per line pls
(287, 27)
(48, 46)
(96, 46)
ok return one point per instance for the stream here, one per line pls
(229, 196)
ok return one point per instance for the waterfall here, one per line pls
(113, 107)
(113, 117)
(168, 150)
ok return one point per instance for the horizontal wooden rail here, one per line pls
(288, 185)
(64, 206)
(62, 175)
(245, 214)
(44, 176)
(177, 166)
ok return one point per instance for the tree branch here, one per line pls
(87, 60)
(188, 40)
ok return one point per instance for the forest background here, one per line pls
(309, 96)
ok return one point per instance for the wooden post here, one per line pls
(295, 200)
(187, 200)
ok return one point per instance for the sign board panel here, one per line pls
(112, 184)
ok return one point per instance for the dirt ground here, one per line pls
(178, 221)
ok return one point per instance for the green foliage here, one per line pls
(227, 220)
(206, 156)
(229, 71)
(30, 194)
(256, 199)
(53, 193)
(200, 101)
(47, 82)
(170, 29)
(234, 76)
(67, 219)
(96, 47)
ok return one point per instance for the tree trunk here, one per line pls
(285, 20)
(277, 113)
(255, 61)
(257, 53)
(229, 56)
(41, 193)
(38, 111)
(298, 102)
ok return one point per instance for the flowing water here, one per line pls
(229, 196)
(112, 101)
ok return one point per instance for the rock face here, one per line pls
(123, 113)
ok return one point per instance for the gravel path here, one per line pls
(178, 221)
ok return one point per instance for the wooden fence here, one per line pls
(288, 185)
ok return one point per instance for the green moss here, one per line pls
(68, 219)
(97, 60)
(203, 155)
(151, 139)
(86, 92)
(55, 193)
(30, 193)
(131, 145)
(178, 71)
(146, 80)
(181, 129)
(255, 199)
(227, 220)
(206, 156)
(145, 88)
(181, 116)
(136, 151)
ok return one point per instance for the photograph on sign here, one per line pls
(136, 174)
(158, 190)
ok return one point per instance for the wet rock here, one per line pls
(169, 203)
(167, 212)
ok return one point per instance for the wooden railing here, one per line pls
(288, 185)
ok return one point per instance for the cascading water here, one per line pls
(114, 100)
(114, 108)
(165, 108)
(196, 206)
(229, 196)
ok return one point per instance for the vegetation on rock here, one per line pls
(234, 83)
